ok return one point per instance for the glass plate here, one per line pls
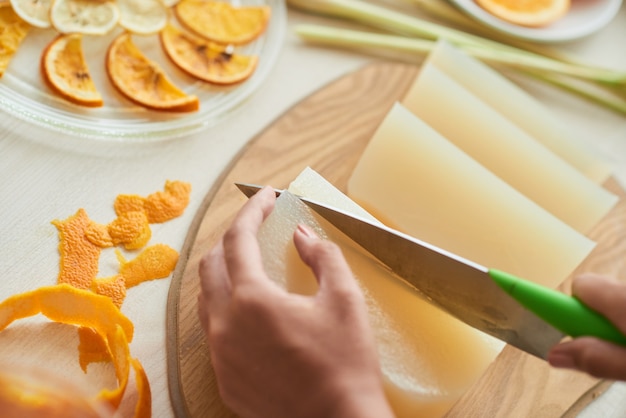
(24, 94)
(582, 19)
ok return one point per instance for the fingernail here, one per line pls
(306, 231)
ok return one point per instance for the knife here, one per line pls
(519, 312)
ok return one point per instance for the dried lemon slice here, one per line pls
(220, 22)
(142, 17)
(13, 29)
(35, 12)
(169, 3)
(143, 81)
(89, 17)
(527, 12)
(206, 60)
(65, 70)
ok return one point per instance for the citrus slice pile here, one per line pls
(88, 17)
(143, 81)
(532, 13)
(207, 55)
(205, 60)
(64, 69)
(221, 22)
(13, 29)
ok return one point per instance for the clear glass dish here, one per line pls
(24, 94)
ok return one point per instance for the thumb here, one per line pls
(327, 263)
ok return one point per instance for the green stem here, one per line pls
(418, 47)
(383, 18)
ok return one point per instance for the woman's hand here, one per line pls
(591, 355)
(277, 354)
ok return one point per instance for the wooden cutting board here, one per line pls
(328, 131)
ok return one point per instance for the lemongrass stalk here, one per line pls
(325, 35)
(607, 100)
(345, 37)
(390, 20)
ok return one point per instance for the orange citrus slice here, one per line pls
(84, 16)
(527, 12)
(205, 60)
(143, 81)
(35, 12)
(220, 22)
(13, 29)
(64, 69)
(142, 17)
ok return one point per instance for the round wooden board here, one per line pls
(328, 131)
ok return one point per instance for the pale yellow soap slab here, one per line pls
(417, 343)
(519, 107)
(427, 187)
(507, 151)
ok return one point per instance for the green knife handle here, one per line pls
(566, 313)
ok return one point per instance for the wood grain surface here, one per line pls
(328, 131)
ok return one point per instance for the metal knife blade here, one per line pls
(462, 288)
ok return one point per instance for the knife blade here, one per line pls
(528, 316)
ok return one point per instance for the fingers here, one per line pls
(590, 355)
(235, 255)
(241, 247)
(603, 294)
(214, 282)
(327, 262)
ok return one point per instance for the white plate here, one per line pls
(583, 18)
(24, 94)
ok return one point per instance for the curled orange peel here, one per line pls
(155, 262)
(168, 204)
(143, 408)
(68, 305)
(98, 235)
(131, 229)
(160, 206)
(114, 287)
(91, 348)
(79, 256)
(128, 203)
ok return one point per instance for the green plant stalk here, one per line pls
(357, 39)
(390, 20)
(611, 102)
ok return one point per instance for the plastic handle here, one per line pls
(566, 313)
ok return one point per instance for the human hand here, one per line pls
(277, 354)
(591, 355)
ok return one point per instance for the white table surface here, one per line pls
(42, 180)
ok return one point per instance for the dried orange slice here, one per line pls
(35, 12)
(13, 29)
(143, 81)
(221, 22)
(64, 69)
(88, 17)
(206, 60)
(527, 12)
(142, 17)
